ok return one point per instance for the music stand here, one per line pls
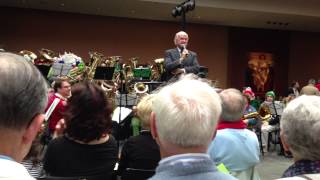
(142, 73)
(104, 73)
(44, 70)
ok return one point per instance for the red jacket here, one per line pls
(57, 113)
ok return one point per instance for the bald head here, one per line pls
(233, 104)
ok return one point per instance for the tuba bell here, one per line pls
(140, 88)
(264, 113)
(28, 55)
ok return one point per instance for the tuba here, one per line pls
(140, 88)
(28, 55)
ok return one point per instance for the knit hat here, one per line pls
(271, 93)
(248, 91)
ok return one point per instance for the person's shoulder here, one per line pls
(170, 50)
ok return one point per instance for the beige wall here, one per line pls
(33, 30)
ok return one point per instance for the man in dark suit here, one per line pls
(180, 60)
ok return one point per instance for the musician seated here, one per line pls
(250, 112)
(86, 148)
(141, 151)
(275, 109)
(234, 145)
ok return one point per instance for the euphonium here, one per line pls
(251, 115)
(265, 114)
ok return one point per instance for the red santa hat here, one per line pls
(248, 91)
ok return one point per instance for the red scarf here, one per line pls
(231, 125)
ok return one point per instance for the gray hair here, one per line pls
(233, 104)
(300, 127)
(180, 33)
(312, 81)
(23, 91)
(187, 112)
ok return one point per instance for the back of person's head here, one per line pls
(233, 105)
(312, 81)
(88, 113)
(23, 92)
(186, 113)
(300, 127)
(144, 109)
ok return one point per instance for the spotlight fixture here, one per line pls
(184, 7)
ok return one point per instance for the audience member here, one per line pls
(86, 148)
(141, 151)
(23, 97)
(310, 89)
(33, 161)
(183, 122)
(300, 129)
(234, 145)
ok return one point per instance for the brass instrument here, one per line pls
(95, 59)
(47, 57)
(158, 69)
(265, 114)
(140, 88)
(28, 55)
(251, 115)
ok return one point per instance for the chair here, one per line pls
(137, 174)
(274, 138)
(106, 176)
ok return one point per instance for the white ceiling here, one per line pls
(301, 15)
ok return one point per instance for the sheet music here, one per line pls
(124, 113)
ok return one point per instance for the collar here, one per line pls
(231, 125)
(302, 167)
(183, 157)
(6, 157)
(60, 96)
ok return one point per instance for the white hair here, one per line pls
(178, 34)
(233, 104)
(187, 112)
(300, 126)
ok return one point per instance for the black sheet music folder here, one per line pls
(104, 73)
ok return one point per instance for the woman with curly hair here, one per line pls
(86, 147)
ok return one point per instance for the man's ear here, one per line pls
(153, 125)
(284, 143)
(33, 129)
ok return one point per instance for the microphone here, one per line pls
(184, 49)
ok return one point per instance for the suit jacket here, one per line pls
(171, 62)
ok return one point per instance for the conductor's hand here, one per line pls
(178, 71)
(184, 55)
(60, 127)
